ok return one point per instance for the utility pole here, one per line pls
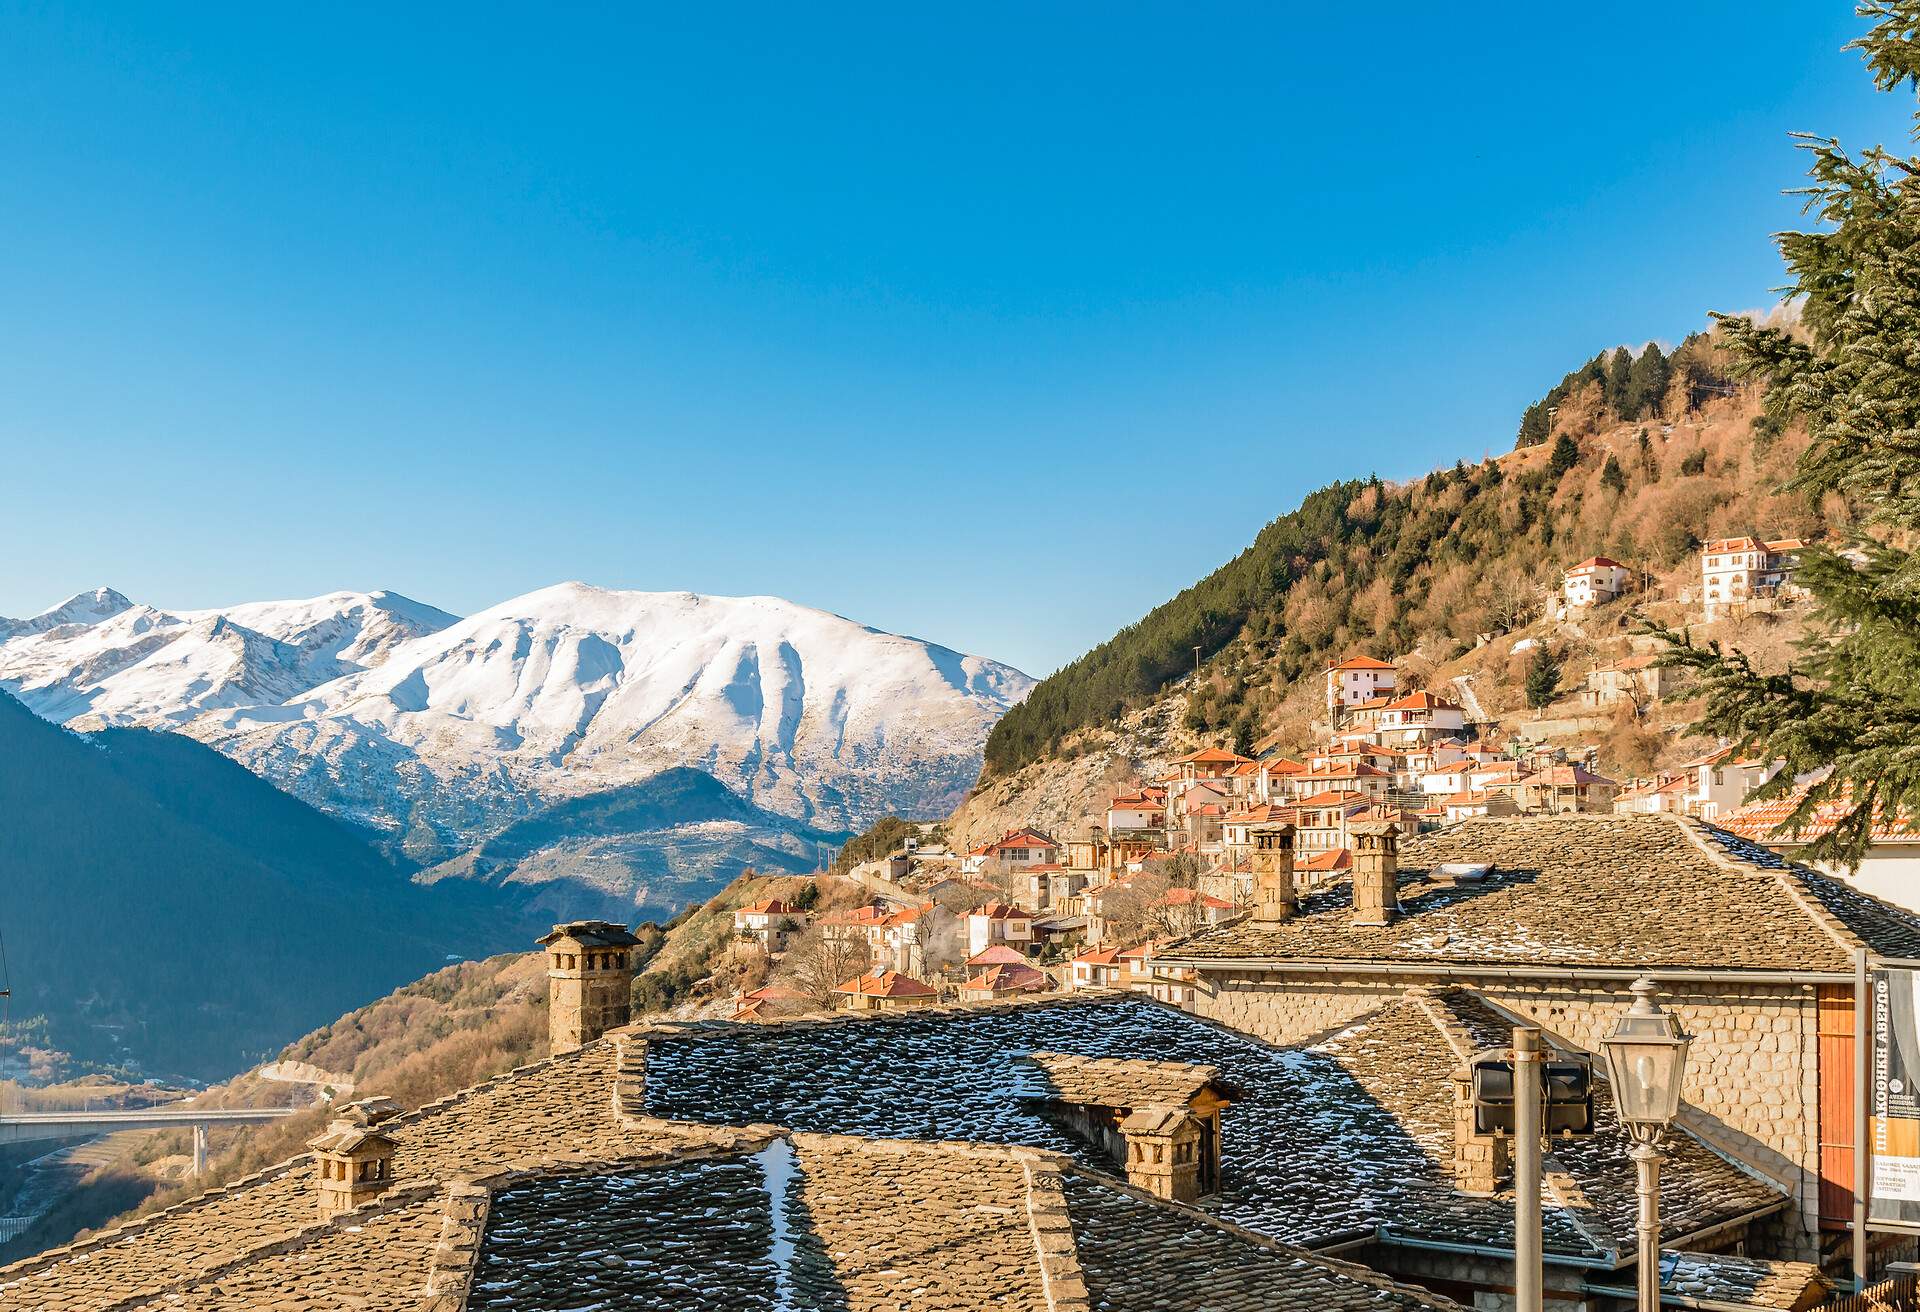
(1196, 664)
(1526, 1170)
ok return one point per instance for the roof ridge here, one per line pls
(1063, 1282)
(1456, 1034)
(1845, 939)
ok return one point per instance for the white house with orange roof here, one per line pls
(1368, 780)
(1318, 869)
(1322, 821)
(1097, 968)
(1419, 718)
(1734, 571)
(1190, 910)
(771, 923)
(1664, 793)
(1358, 679)
(1468, 804)
(999, 923)
(1143, 809)
(1595, 580)
(1012, 852)
(1718, 783)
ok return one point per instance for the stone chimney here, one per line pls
(1481, 1162)
(1163, 1152)
(353, 1161)
(1376, 872)
(1273, 873)
(589, 981)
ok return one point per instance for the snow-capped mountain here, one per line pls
(99, 659)
(444, 731)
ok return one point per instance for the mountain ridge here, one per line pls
(438, 730)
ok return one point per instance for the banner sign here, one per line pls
(1893, 1124)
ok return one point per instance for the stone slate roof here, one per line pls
(546, 1189)
(1748, 1281)
(826, 1222)
(1584, 890)
(1117, 1082)
(1328, 1141)
(266, 1222)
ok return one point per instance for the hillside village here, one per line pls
(1030, 911)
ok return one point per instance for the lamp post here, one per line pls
(1646, 1060)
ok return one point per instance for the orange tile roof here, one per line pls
(773, 906)
(1209, 756)
(1595, 562)
(1731, 544)
(886, 984)
(1332, 797)
(1181, 897)
(1019, 979)
(1761, 822)
(1001, 911)
(1422, 701)
(997, 955)
(1135, 804)
(1360, 663)
(1338, 858)
(1099, 956)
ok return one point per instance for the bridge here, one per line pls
(23, 1127)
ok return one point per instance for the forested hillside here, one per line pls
(1434, 563)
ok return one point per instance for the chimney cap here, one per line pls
(590, 933)
(369, 1111)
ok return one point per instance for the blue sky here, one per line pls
(997, 324)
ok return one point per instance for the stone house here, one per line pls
(884, 990)
(1550, 919)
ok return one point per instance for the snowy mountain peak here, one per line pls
(81, 608)
(403, 716)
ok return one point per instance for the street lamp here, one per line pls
(1646, 1060)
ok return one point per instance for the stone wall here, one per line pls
(1752, 1074)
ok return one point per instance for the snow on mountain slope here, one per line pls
(575, 689)
(443, 731)
(99, 659)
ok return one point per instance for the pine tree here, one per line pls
(1850, 702)
(1620, 382)
(1612, 476)
(1543, 678)
(1647, 383)
(1564, 456)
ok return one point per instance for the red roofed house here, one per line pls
(1318, 869)
(883, 990)
(1664, 792)
(999, 923)
(1369, 780)
(1192, 910)
(1097, 968)
(1419, 718)
(1358, 679)
(998, 955)
(756, 1004)
(1595, 580)
(1322, 821)
(1718, 784)
(1145, 809)
(1015, 851)
(1733, 571)
(1005, 982)
(1563, 789)
(771, 923)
